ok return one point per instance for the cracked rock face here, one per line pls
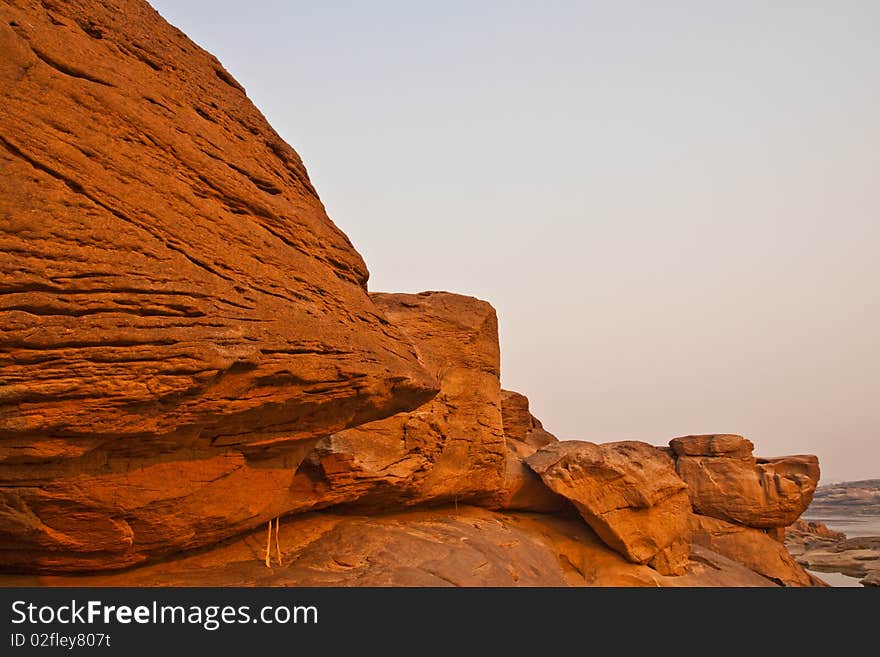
(178, 316)
(628, 492)
(750, 547)
(451, 449)
(725, 481)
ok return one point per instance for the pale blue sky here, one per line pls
(674, 206)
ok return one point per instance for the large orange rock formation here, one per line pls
(179, 319)
(188, 349)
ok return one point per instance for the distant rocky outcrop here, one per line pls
(810, 533)
(815, 546)
(848, 498)
(188, 350)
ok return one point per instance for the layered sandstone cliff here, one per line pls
(179, 319)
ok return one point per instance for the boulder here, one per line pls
(725, 481)
(750, 547)
(628, 492)
(179, 318)
(449, 450)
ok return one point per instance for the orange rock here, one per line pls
(712, 445)
(523, 489)
(628, 493)
(179, 318)
(750, 547)
(449, 450)
(776, 533)
(725, 481)
(519, 424)
(467, 546)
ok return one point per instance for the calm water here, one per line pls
(837, 579)
(852, 526)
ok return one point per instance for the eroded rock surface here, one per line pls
(467, 546)
(725, 481)
(179, 319)
(628, 492)
(451, 449)
(750, 547)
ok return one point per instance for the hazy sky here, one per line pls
(674, 206)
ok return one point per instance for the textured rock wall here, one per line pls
(628, 492)
(449, 450)
(726, 481)
(179, 318)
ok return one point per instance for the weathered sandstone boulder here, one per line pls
(628, 492)
(725, 481)
(179, 319)
(448, 450)
(750, 547)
